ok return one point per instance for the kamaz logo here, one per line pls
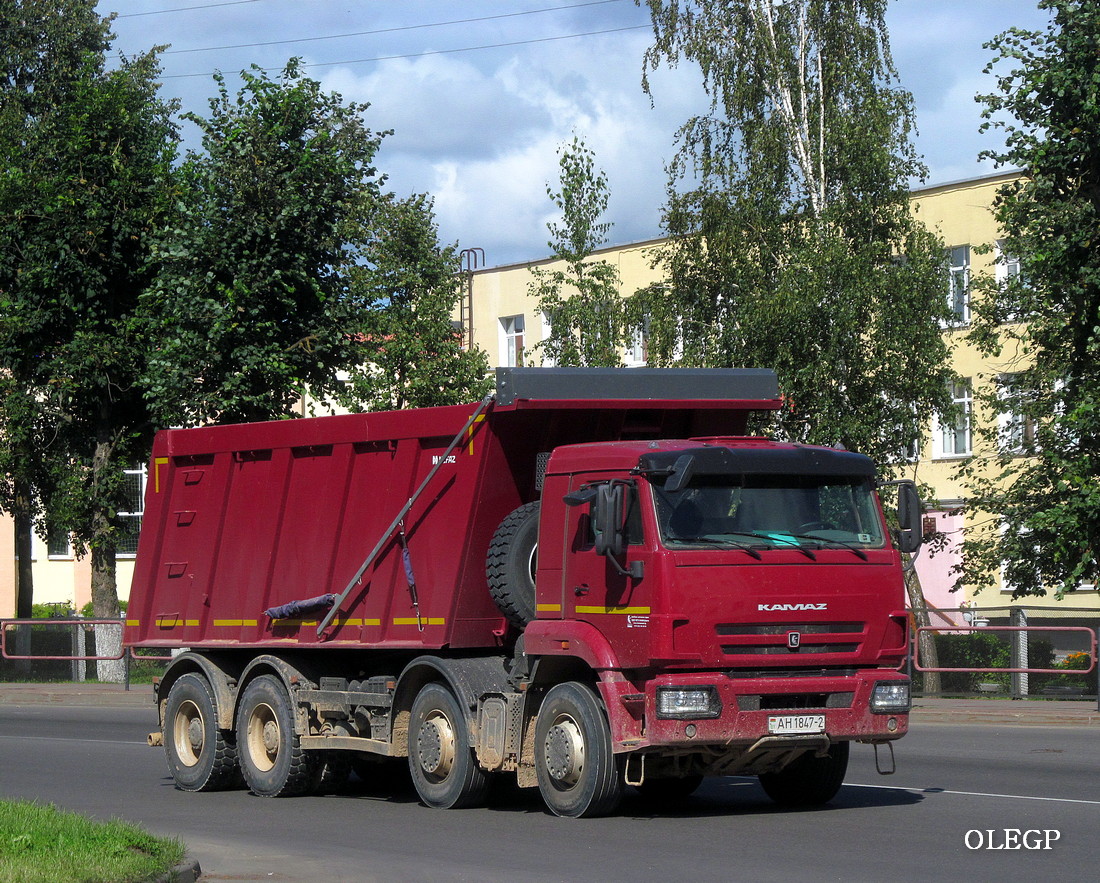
(792, 608)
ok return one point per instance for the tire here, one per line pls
(809, 780)
(201, 755)
(510, 567)
(665, 791)
(578, 773)
(271, 760)
(441, 760)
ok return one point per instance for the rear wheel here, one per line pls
(577, 771)
(273, 763)
(441, 759)
(810, 780)
(201, 755)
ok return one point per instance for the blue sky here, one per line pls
(481, 93)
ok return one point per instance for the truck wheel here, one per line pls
(809, 780)
(577, 771)
(510, 567)
(272, 762)
(201, 756)
(441, 759)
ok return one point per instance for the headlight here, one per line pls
(890, 697)
(688, 702)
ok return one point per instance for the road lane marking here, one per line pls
(974, 793)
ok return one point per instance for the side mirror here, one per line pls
(911, 534)
(607, 519)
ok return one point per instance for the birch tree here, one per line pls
(791, 241)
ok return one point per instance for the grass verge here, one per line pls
(42, 844)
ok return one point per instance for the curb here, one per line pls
(186, 872)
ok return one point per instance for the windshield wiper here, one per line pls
(848, 546)
(711, 541)
(789, 539)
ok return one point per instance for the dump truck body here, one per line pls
(553, 583)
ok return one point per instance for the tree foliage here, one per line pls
(85, 187)
(791, 242)
(582, 301)
(1045, 487)
(253, 295)
(407, 352)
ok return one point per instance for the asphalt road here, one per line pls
(956, 786)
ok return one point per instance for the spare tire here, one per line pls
(510, 567)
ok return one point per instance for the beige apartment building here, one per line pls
(501, 317)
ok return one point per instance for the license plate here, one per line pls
(782, 725)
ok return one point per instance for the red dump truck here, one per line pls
(591, 579)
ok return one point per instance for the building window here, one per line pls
(954, 436)
(135, 507)
(637, 353)
(958, 295)
(511, 332)
(59, 544)
(1015, 429)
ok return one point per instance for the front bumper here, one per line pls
(743, 707)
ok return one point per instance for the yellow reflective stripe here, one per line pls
(234, 622)
(133, 623)
(174, 623)
(548, 608)
(157, 463)
(412, 620)
(339, 621)
(633, 611)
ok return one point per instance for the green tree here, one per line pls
(1043, 491)
(86, 183)
(582, 301)
(791, 242)
(252, 307)
(407, 352)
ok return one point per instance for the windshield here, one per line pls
(771, 511)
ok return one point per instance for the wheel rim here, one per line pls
(435, 746)
(564, 752)
(188, 733)
(264, 737)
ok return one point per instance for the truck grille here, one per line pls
(774, 639)
(786, 701)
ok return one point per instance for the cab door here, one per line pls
(599, 592)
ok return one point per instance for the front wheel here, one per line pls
(809, 780)
(272, 762)
(441, 759)
(577, 771)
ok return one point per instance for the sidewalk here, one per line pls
(1036, 712)
(89, 694)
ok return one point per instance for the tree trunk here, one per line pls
(927, 640)
(108, 638)
(24, 574)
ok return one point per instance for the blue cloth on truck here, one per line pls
(298, 608)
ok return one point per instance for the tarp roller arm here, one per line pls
(478, 411)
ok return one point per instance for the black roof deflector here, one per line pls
(651, 385)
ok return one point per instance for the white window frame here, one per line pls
(637, 352)
(511, 339)
(141, 473)
(962, 394)
(958, 285)
(1015, 431)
